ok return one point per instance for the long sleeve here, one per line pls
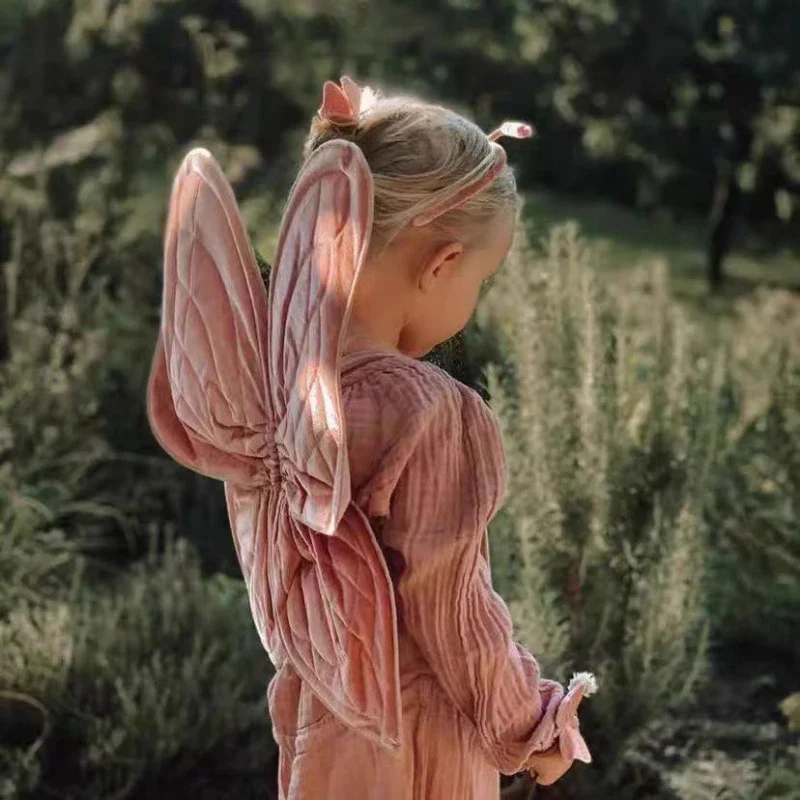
(435, 529)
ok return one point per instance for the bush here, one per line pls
(112, 687)
(612, 429)
(154, 684)
(753, 511)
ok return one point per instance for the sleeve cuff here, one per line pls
(549, 765)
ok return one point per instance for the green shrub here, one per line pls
(612, 429)
(754, 509)
(142, 681)
(50, 445)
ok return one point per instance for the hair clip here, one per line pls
(515, 130)
(346, 102)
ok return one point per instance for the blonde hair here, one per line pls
(421, 154)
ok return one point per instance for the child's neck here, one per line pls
(380, 302)
(363, 336)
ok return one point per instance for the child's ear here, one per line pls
(440, 264)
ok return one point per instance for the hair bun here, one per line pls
(339, 126)
(324, 129)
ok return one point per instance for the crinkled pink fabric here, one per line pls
(358, 491)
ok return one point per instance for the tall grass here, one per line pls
(612, 430)
(653, 486)
(154, 684)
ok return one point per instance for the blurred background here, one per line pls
(641, 348)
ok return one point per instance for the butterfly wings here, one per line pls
(321, 249)
(340, 628)
(207, 396)
(245, 388)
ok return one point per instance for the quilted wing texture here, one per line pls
(245, 388)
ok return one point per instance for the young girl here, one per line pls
(359, 480)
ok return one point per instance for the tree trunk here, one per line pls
(743, 101)
(722, 221)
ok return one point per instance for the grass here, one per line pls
(624, 240)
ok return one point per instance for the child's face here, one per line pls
(449, 285)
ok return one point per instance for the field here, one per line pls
(625, 240)
(650, 534)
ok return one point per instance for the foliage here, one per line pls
(653, 506)
(186, 680)
(611, 431)
(79, 327)
(753, 510)
(714, 84)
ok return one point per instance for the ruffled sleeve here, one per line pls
(451, 485)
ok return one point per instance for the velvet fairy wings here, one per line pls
(244, 387)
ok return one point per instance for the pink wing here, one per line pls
(338, 622)
(252, 397)
(321, 248)
(207, 396)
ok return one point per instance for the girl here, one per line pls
(359, 480)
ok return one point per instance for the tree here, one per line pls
(676, 102)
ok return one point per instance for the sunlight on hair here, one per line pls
(420, 155)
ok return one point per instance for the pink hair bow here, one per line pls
(346, 102)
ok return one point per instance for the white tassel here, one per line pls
(586, 678)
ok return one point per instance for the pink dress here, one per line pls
(359, 490)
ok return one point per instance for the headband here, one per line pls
(343, 104)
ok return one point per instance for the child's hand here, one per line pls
(548, 766)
